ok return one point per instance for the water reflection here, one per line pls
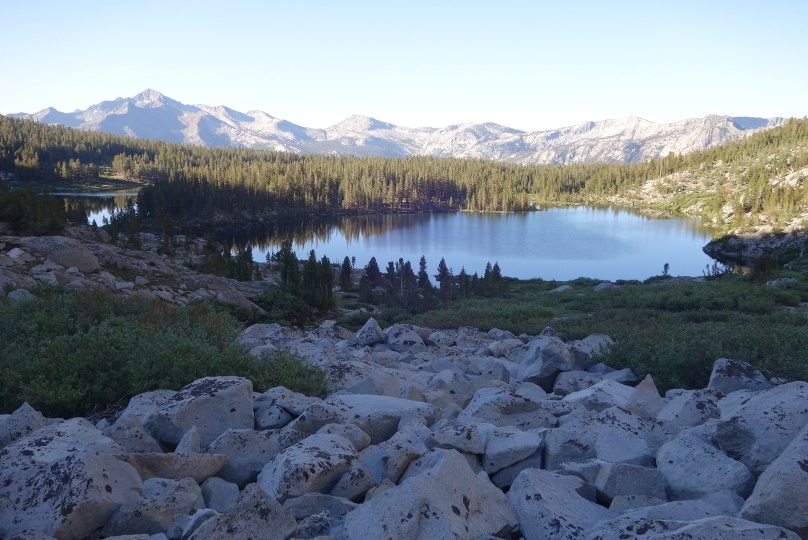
(558, 243)
(554, 243)
(98, 205)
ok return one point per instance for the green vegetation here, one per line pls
(219, 261)
(67, 353)
(283, 307)
(316, 283)
(672, 330)
(30, 213)
(203, 184)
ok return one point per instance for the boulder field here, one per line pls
(450, 434)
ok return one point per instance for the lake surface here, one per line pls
(99, 204)
(556, 243)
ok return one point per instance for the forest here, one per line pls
(198, 184)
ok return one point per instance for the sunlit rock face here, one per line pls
(152, 115)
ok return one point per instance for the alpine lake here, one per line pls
(557, 243)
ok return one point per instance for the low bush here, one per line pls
(283, 307)
(673, 330)
(284, 368)
(69, 352)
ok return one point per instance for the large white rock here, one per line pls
(504, 347)
(693, 469)
(543, 360)
(354, 484)
(601, 396)
(262, 332)
(164, 487)
(247, 452)
(763, 425)
(593, 344)
(710, 528)
(370, 333)
(571, 443)
(212, 404)
(255, 515)
(61, 481)
(781, 494)
(219, 495)
(378, 416)
(653, 433)
(645, 400)
(64, 251)
(378, 384)
(616, 479)
(691, 408)
(175, 466)
(690, 510)
(438, 497)
(615, 445)
(504, 408)
(375, 458)
(148, 515)
(292, 402)
(400, 338)
(146, 407)
(463, 438)
(130, 433)
(732, 375)
(547, 507)
(442, 338)
(19, 424)
(359, 439)
(568, 382)
(456, 384)
(505, 446)
(315, 464)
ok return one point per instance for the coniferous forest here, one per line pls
(194, 183)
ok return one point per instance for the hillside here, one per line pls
(630, 139)
(752, 186)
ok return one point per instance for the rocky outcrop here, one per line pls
(67, 252)
(63, 480)
(422, 439)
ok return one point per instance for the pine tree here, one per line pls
(464, 282)
(373, 273)
(423, 277)
(345, 276)
(496, 280)
(290, 272)
(392, 282)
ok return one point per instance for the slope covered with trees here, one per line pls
(742, 180)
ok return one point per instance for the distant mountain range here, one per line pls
(152, 115)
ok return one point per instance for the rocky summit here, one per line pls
(447, 434)
(152, 115)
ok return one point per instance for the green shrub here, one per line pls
(283, 307)
(284, 368)
(673, 330)
(31, 213)
(67, 353)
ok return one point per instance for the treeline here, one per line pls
(399, 285)
(28, 212)
(314, 285)
(203, 184)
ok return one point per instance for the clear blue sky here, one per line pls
(525, 64)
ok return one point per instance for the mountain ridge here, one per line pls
(151, 114)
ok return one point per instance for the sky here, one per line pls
(530, 65)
